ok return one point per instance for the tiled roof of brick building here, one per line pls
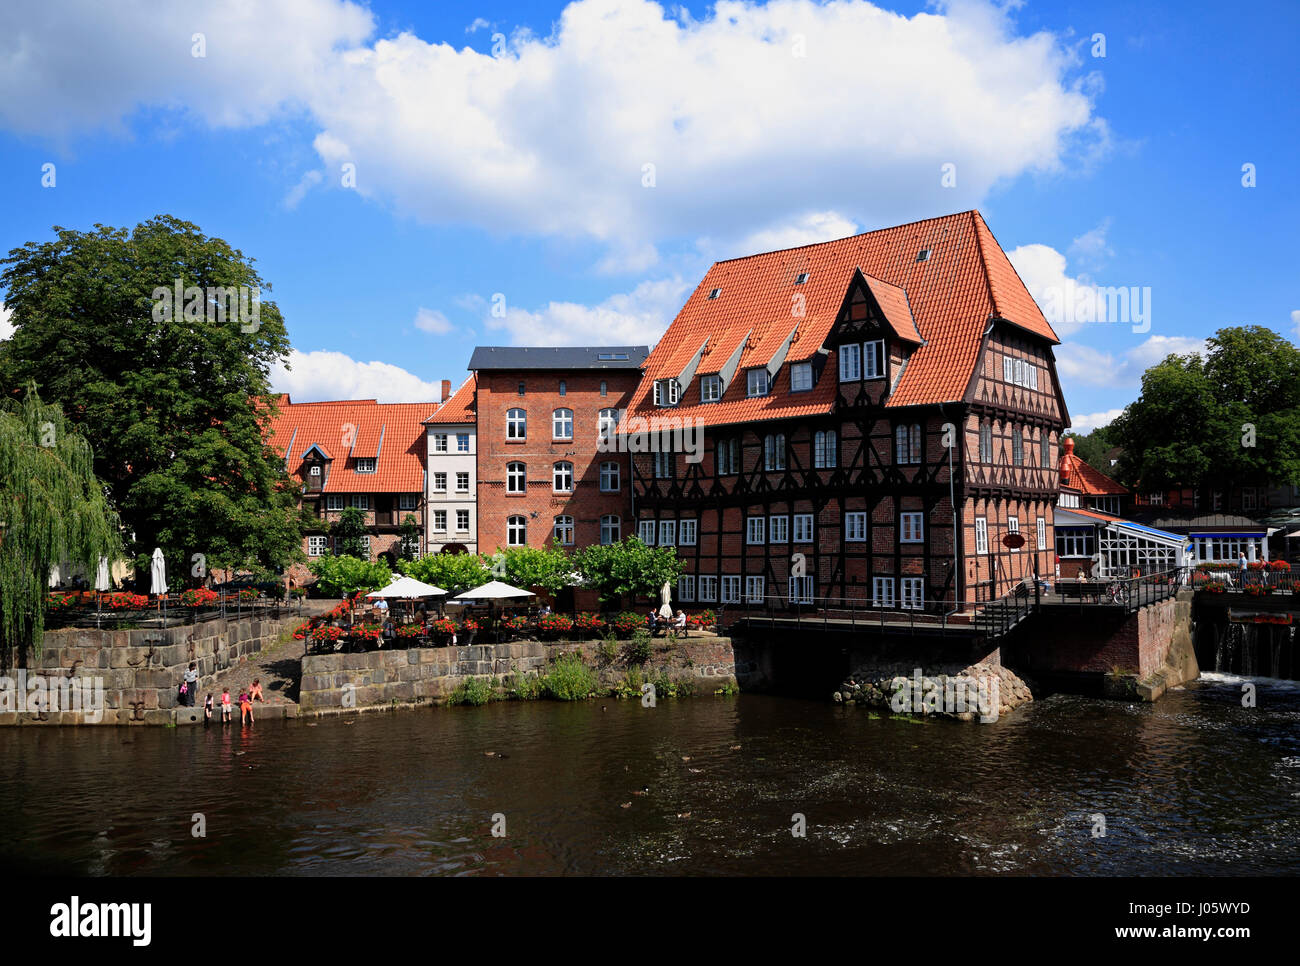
(390, 433)
(1083, 477)
(947, 298)
(487, 357)
(459, 408)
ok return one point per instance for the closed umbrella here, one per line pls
(666, 600)
(158, 573)
(102, 581)
(55, 576)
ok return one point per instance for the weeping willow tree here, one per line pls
(52, 510)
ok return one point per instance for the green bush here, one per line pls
(639, 647)
(607, 651)
(473, 691)
(526, 687)
(569, 679)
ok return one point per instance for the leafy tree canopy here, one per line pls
(52, 510)
(627, 567)
(349, 531)
(338, 576)
(453, 572)
(1092, 448)
(166, 391)
(1228, 418)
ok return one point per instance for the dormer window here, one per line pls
(366, 465)
(801, 377)
(923, 255)
(801, 278)
(666, 392)
(715, 293)
(873, 359)
(315, 471)
(757, 382)
(710, 388)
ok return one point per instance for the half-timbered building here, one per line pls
(880, 418)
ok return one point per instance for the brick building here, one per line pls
(542, 470)
(880, 411)
(355, 453)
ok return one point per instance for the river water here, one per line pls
(1193, 784)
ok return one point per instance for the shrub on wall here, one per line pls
(569, 679)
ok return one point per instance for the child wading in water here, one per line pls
(207, 709)
(245, 708)
(225, 704)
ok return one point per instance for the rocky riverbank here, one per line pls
(980, 692)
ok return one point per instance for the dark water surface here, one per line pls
(1193, 784)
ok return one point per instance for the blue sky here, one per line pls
(503, 148)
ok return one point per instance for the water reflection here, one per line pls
(1195, 784)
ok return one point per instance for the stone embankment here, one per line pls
(979, 692)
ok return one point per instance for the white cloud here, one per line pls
(638, 317)
(332, 375)
(478, 24)
(1081, 364)
(6, 327)
(1092, 249)
(68, 67)
(431, 320)
(309, 180)
(1295, 321)
(552, 137)
(807, 228)
(1087, 423)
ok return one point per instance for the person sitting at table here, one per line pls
(653, 621)
(679, 623)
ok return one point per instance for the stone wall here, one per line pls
(427, 675)
(138, 670)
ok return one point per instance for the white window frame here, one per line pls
(801, 590)
(911, 593)
(850, 367)
(1040, 526)
(855, 526)
(517, 530)
(730, 588)
(367, 464)
(710, 388)
(646, 532)
(439, 482)
(802, 531)
(562, 424)
(755, 531)
(667, 533)
(778, 529)
(318, 546)
(359, 501)
(440, 442)
(758, 382)
(687, 531)
(611, 529)
(333, 501)
(686, 587)
(462, 527)
(755, 589)
(562, 530)
(882, 592)
(708, 588)
(562, 474)
(663, 466)
(911, 527)
(981, 534)
(516, 477)
(462, 476)
(1013, 526)
(825, 449)
(439, 521)
(610, 475)
(462, 442)
(408, 501)
(774, 452)
(874, 353)
(801, 377)
(517, 424)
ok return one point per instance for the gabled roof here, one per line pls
(489, 357)
(950, 297)
(1077, 475)
(459, 407)
(393, 433)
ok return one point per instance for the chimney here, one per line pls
(446, 390)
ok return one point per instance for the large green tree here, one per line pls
(52, 510)
(1092, 448)
(1231, 417)
(627, 567)
(167, 392)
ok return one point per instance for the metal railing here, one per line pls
(839, 613)
(161, 611)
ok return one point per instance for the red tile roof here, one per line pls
(1083, 477)
(392, 433)
(949, 299)
(460, 407)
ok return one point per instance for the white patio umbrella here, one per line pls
(102, 581)
(54, 575)
(494, 590)
(666, 600)
(158, 573)
(408, 588)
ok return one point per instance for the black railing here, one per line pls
(839, 613)
(91, 610)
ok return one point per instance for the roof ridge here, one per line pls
(860, 234)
